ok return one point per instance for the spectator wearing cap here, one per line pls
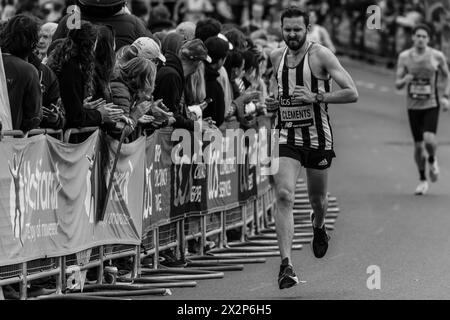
(183, 60)
(45, 38)
(187, 30)
(148, 48)
(218, 51)
(127, 27)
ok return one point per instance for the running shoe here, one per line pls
(422, 188)
(319, 242)
(434, 171)
(286, 277)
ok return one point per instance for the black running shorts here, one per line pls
(309, 158)
(423, 121)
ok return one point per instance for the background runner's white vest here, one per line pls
(305, 126)
(422, 91)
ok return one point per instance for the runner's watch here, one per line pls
(319, 98)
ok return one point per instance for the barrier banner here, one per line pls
(157, 189)
(188, 175)
(48, 194)
(122, 223)
(223, 184)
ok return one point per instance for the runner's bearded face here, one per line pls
(294, 32)
(421, 39)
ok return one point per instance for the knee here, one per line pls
(429, 137)
(285, 196)
(318, 201)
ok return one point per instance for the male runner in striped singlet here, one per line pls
(418, 69)
(303, 72)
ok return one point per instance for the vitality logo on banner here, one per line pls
(32, 189)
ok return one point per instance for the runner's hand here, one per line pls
(303, 95)
(272, 104)
(445, 104)
(408, 78)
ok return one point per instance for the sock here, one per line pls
(422, 175)
(285, 262)
(431, 159)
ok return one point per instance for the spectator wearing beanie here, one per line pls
(208, 28)
(217, 50)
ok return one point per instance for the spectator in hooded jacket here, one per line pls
(218, 51)
(183, 60)
(18, 39)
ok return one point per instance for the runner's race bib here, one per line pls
(295, 115)
(420, 89)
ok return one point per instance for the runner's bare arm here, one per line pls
(275, 58)
(348, 92)
(402, 77)
(443, 66)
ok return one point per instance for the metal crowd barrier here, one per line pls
(249, 217)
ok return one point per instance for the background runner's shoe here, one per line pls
(287, 277)
(319, 243)
(422, 188)
(434, 171)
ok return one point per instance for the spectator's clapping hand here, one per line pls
(110, 112)
(88, 104)
(139, 110)
(146, 119)
(157, 110)
(50, 114)
(208, 124)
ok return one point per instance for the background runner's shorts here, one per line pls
(423, 121)
(309, 158)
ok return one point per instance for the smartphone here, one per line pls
(208, 100)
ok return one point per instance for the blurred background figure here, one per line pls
(319, 34)
(192, 10)
(257, 21)
(46, 32)
(52, 11)
(160, 19)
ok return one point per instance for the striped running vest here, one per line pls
(306, 126)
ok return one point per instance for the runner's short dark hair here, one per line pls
(294, 12)
(422, 26)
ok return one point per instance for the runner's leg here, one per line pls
(317, 191)
(419, 156)
(285, 182)
(430, 144)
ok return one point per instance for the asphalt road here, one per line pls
(380, 222)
